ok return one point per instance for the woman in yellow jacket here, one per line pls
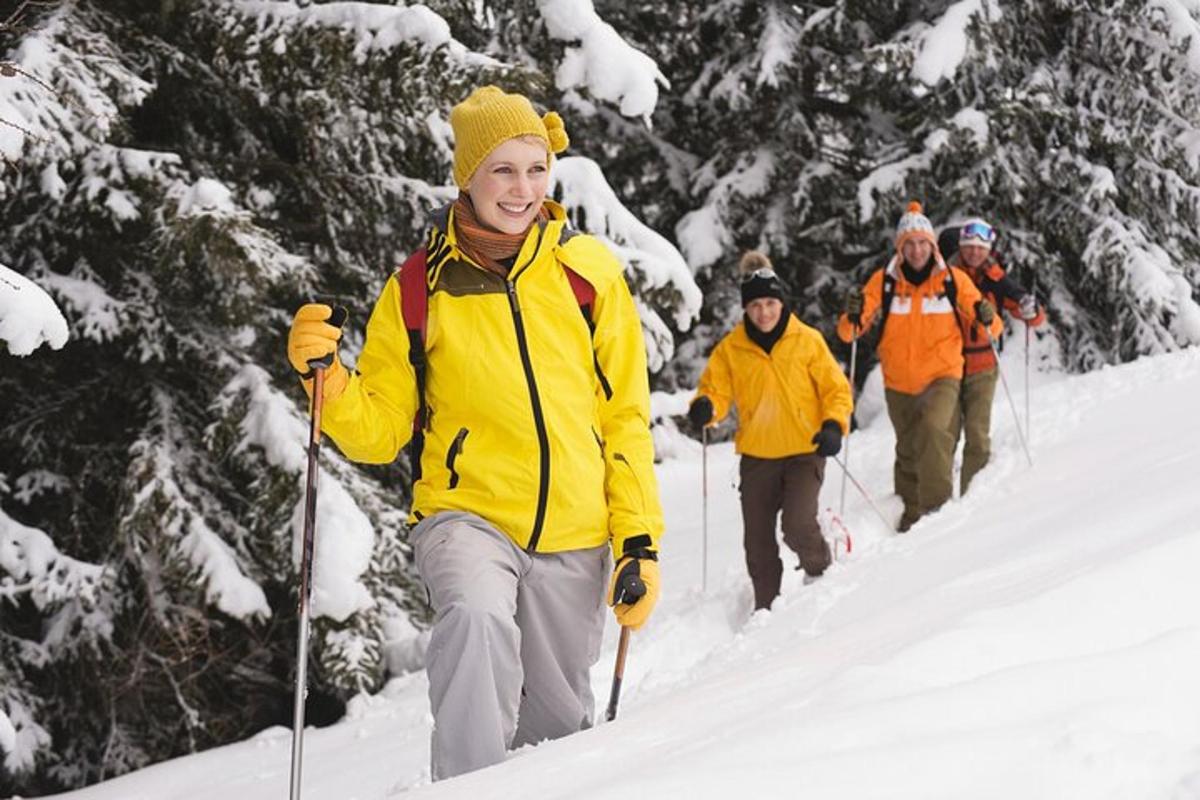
(793, 405)
(537, 456)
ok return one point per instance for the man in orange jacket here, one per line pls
(793, 406)
(976, 258)
(922, 305)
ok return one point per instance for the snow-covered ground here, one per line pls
(1039, 638)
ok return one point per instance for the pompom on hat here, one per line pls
(752, 261)
(757, 278)
(488, 118)
(915, 225)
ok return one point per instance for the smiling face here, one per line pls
(508, 188)
(973, 255)
(917, 251)
(764, 312)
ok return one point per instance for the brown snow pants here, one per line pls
(926, 433)
(769, 486)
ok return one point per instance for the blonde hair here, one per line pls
(752, 260)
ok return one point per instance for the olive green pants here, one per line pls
(925, 439)
(974, 423)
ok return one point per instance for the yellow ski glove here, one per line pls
(634, 588)
(316, 331)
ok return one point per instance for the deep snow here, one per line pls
(1038, 638)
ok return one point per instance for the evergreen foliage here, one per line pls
(200, 185)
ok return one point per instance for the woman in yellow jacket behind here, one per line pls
(537, 456)
(793, 405)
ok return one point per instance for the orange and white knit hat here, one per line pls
(915, 225)
(488, 118)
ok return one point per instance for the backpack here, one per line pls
(948, 241)
(415, 275)
(889, 292)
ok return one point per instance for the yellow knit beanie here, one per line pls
(488, 118)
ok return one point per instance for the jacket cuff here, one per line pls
(640, 545)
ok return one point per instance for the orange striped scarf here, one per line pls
(483, 244)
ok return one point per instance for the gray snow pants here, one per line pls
(513, 641)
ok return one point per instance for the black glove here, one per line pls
(854, 305)
(829, 439)
(700, 412)
(984, 312)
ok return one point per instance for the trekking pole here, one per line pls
(704, 523)
(1011, 403)
(318, 367)
(853, 359)
(618, 675)
(863, 492)
(632, 589)
(1028, 418)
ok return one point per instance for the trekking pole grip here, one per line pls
(337, 318)
(632, 589)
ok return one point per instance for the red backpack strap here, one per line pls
(414, 294)
(585, 293)
(585, 296)
(414, 307)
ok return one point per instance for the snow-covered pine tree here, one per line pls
(618, 173)
(1072, 126)
(772, 134)
(179, 210)
(812, 127)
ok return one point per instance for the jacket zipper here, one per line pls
(539, 418)
(604, 384)
(455, 449)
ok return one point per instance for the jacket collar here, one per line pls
(988, 264)
(541, 233)
(741, 337)
(939, 267)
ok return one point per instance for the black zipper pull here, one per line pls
(512, 297)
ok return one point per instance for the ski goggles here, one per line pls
(979, 231)
(766, 273)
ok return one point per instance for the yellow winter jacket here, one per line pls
(535, 423)
(782, 398)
